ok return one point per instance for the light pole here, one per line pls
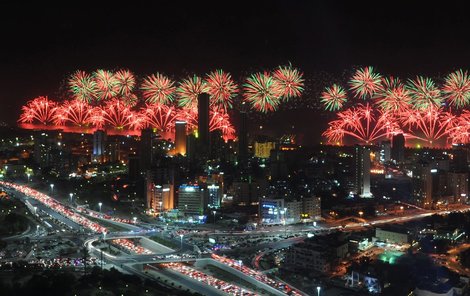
(36, 211)
(135, 220)
(181, 236)
(285, 222)
(52, 189)
(318, 290)
(71, 196)
(28, 174)
(213, 212)
(100, 204)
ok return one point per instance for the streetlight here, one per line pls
(71, 195)
(52, 189)
(100, 204)
(361, 213)
(135, 220)
(28, 174)
(181, 236)
(213, 212)
(36, 211)
(318, 290)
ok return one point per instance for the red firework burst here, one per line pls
(430, 124)
(159, 116)
(363, 124)
(75, 112)
(40, 109)
(459, 132)
(116, 114)
(220, 120)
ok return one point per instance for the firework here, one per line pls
(159, 116)
(334, 97)
(114, 113)
(107, 84)
(290, 81)
(423, 92)
(189, 89)
(430, 125)
(221, 88)
(262, 92)
(40, 109)
(392, 95)
(82, 86)
(456, 89)
(76, 112)
(365, 82)
(125, 83)
(363, 124)
(220, 120)
(459, 132)
(189, 115)
(158, 89)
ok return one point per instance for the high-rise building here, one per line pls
(160, 198)
(148, 140)
(459, 161)
(398, 148)
(362, 171)
(263, 149)
(385, 151)
(113, 151)
(180, 137)
(312, 207)
(270, 211)
(44, 143)
(99, 146)
(203, 124)
(243, 138)
(191, 199)
(458, 185)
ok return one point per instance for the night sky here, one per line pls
(41, 45)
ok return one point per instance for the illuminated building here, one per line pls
(99, 146)
(458, 185)
(159, 197)
(270, 211)
(385, 151)
(362, 171)
(191, 199)
(180, 137)
(263, 149)
(113, 151)
(393, 235)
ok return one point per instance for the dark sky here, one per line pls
(41, 45)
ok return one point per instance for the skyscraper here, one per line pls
(459, 161)
(398, 148)
(243, 138)
(99, 144)
(147, 142)
(203, 124)
(362, 171)
(180, 137)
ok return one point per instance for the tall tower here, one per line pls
(147, 138)
(203, 123)
(243, 138)
(99, 142)
(180, 137)
(362, 171)
(398, 148)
